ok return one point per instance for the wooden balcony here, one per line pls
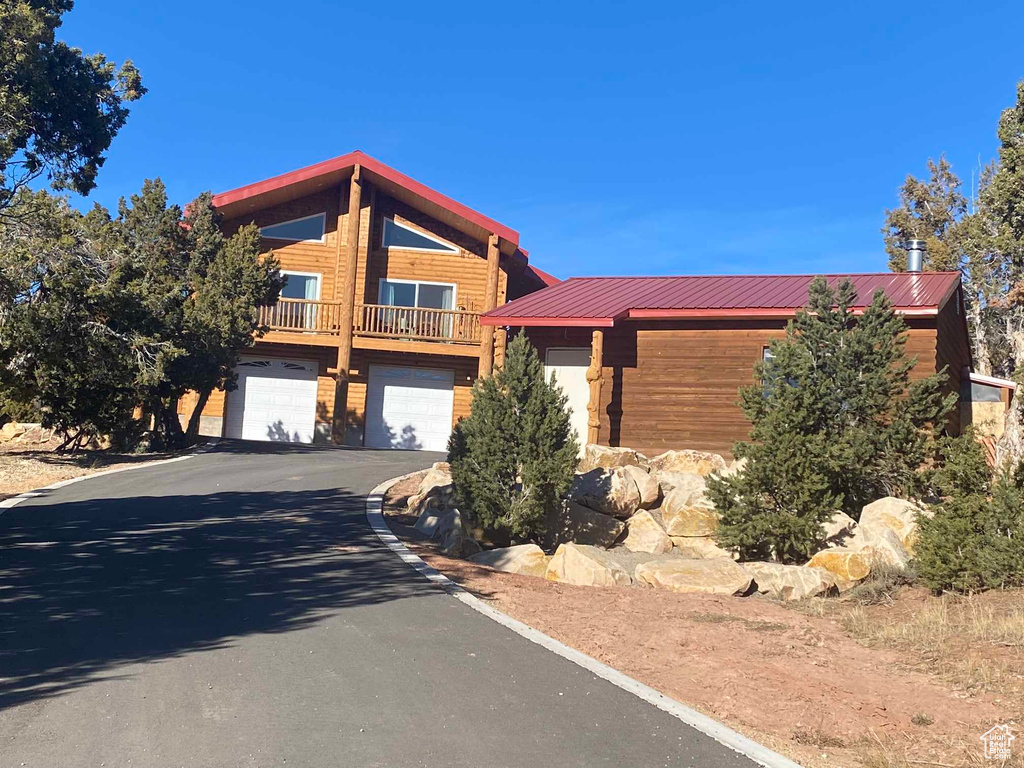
(303, 316)
(375, 326)
(417, 324)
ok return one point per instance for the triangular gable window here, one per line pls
(308, 229)
(400, 236)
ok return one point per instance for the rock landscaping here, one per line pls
(634, 521)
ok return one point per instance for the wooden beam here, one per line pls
(594, 377)
(500, 343)
(347, 297)
(415, 347)
(339, 245)
(490, 302)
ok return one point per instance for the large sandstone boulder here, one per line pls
(612, 492)
(646, 485)
(428, 521)
(847, 565)
(700, 462)
(573, 522)
(435, 491)
(897, 515)
(677, 574)
(685, 515)
(646, 534)
(452, 537)
(689, 483)
(700, 548)
(790, 582)
(604, 457)
(885, 547)
(736, 468)
(11, 431)
(525, 559)
(586, 567)
(838, 530)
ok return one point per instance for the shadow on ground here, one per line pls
(88, 586)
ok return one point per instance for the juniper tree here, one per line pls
(227, 282)
(836, 423)
(59, 109)
(514, 456)
(99, 315)
(58, 347)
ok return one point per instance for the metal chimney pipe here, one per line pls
(915, 255)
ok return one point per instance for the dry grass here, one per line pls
(29, 464)
(894, 752)
(974, 643)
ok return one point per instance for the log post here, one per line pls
(500, 342)
(347, 297)
(594, 378)
(490, 302)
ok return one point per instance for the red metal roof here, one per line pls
(601, 301)
(294, 183)
(546, 278)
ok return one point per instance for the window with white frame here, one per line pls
(415, 293)
(308, 229)
(398, 235)
(300, 285)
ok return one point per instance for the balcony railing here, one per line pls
(377, 320)
(417, 323)
(302, 316)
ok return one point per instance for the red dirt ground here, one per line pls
(795, 682)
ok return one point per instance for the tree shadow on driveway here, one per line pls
(89, 586)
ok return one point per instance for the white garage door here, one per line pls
(409, 408)
(275, 400)
(570, 364)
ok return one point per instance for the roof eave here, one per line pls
(339, 168)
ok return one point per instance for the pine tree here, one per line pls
(975, 539)
(514, 456)
(836, 423)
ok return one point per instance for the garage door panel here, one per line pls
(409, 407)
(275, 401)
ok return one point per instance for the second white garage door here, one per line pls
(409, 408)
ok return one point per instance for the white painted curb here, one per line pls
(721, 733)
(16, 500)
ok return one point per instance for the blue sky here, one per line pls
(640, 138)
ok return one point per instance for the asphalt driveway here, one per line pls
(236, 609)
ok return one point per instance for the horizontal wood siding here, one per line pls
(301, 257)
(676, 385)
(359, 371)
(466, 269)
(953, 351)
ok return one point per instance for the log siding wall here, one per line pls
(467, 270)
(669, 385)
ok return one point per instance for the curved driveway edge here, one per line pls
(15, 500)
(719, 732)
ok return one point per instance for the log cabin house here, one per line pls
(376, 339)
(398, 298)
(655, 363)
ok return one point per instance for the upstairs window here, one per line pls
(398, 235)
(308, 229)
(300, 285)
(414, 293)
